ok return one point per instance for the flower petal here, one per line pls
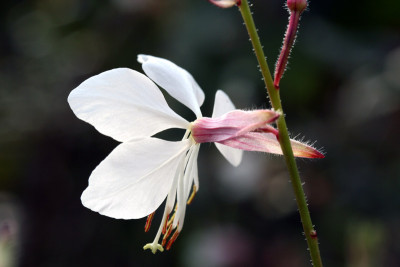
(191, 170)
(222, 104)
(135, 178)
(233, 155)
(175, 80)
(195, 171)
(123, 104)
(224, 3)
(267, 142)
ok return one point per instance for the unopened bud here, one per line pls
(297, 5)
(225, 3)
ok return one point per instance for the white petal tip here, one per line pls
(232, 155)
(142, 58)
(236, 160)
(236, 164)
(222, 104)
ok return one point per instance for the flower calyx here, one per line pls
(247, 130)
(232, 125)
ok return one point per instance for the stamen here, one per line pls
(194, 190)
(166, 235)
(154, 247)
(186, 134)
(172, 240)
(148, 222)
(171, 220)
(165, 225)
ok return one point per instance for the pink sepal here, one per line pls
(267, 142)
(233, 124)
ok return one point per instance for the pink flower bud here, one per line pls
(297, 5)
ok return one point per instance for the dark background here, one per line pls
(341, 89)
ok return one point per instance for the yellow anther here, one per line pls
(167, 233)
(148, 222)
(171, 220)
(194, 190)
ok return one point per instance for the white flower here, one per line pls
(143, 171)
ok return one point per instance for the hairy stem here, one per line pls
(310, 233)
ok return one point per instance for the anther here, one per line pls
(165, 225)
(166, 235)
(148, 222)
(172, 240)
(171, 220)
(194, 190)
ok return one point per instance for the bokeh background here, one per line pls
(341, 90)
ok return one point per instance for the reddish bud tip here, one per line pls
(225, 3)
(297, 5)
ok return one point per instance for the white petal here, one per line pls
(190, 173)
(135, 178)
(123, 104)
(175, 80)
(222, 104)
(196, 172)
(233, 155)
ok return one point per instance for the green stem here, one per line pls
(284, 139)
